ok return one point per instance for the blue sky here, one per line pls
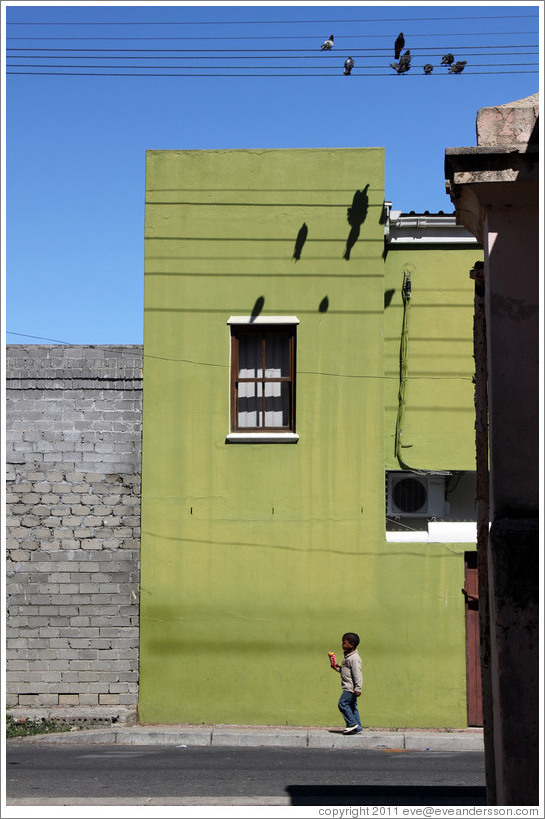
(76, 145)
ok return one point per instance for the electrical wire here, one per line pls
(122, 348)
(231, 37)
(181, 54)
(139, 70)
(249, 67)
(245, 75)
(272, 22)
(274, 51)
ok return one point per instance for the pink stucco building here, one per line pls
(495, 188)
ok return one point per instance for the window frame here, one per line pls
(243, 325)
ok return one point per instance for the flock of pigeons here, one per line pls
(404, 60)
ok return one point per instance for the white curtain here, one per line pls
(250, 395)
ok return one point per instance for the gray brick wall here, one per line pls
(73, 459)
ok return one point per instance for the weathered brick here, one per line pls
(29, 699)
(88, 699)
(49, 699)
(19, 555)
(17, 665)
(68, 699)
(108, 699)
(128, 699)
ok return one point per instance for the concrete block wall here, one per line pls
(73, 460)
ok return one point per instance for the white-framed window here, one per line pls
(263, 379)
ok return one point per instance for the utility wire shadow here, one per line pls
(356, 215)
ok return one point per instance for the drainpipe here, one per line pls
(482, 500)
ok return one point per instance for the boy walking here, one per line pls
(351, 682)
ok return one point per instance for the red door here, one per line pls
(473, 657)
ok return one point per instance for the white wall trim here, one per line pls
(407, 537)
(262, 320)
(438, 532)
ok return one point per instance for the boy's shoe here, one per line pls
(352, 730)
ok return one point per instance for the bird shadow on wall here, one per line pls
(356, 215)
(382, 221)
(300, 241)
(324, 305)
(257, 308)
(388, 296)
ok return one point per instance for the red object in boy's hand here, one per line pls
(332, 659)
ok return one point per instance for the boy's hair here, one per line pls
(352, 638)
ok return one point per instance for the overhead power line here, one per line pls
(268, 57)
(122, 348)
(435, 35)
(225, 75)
(252, 50)
(271, 22)
(248, 67)
(275, 62)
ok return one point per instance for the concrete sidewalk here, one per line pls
(120, 728)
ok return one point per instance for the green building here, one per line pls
(308, 442)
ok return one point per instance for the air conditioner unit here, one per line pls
(411, 495)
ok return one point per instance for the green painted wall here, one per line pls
(240, 604)
(439, 419)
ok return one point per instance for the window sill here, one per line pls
(262, 438)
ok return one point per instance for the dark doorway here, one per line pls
(473, 654)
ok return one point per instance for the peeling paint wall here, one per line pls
(257, 557)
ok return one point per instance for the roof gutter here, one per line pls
(423, 228)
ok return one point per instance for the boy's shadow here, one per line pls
(356, 216)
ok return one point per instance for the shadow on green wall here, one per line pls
(356, 216)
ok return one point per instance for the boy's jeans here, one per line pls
(348, 706)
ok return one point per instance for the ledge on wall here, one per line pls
(438, 532)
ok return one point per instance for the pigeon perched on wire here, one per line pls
(327, 45)
(405, 62)
(399, 43)
(348, 66)
(458, 67)
(428, 68)
(448, 59)
(399, 67)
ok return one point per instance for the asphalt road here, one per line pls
(42, 774)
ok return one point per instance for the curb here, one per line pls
(266, 736)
